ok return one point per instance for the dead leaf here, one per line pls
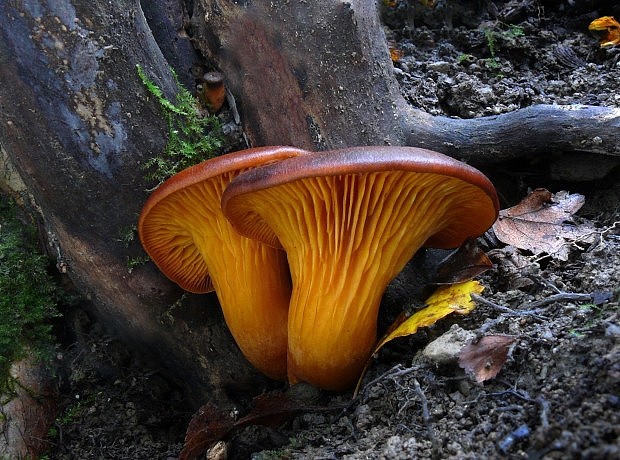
(464, 264)
(207, 426)
(609, 29)
(273, 409)
(485, 358)
(515, 270)
(543, 223)
(210, 424)
(396, 54)
(455, 298)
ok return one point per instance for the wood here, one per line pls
(318, 75)
(77, 124)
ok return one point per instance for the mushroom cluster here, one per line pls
(348, 221)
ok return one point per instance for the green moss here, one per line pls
(28, 295)
(193, 134)
(490, 35)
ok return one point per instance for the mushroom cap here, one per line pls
(213, 78)
(166, 230)
(470, 219)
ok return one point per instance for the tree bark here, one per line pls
(77, 124)
(318, 75)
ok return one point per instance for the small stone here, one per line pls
(446, 348)
(440, 66)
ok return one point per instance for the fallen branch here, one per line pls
(561, 297)
(535, 130)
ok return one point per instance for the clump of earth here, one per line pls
(556, 396)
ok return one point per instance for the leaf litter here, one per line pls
(543, 222)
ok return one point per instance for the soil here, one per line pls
(557, 395)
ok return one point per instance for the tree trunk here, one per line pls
(318, 75)
(76, 123)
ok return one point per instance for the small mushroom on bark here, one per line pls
(349, 221)
(183, 230)
(213, 91)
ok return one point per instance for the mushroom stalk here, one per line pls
(251, 281)
(350, 253)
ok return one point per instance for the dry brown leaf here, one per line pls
(207, 427)
(543, 223)
(485, 358)
(396, 54)
(210, 424)
(463, 264)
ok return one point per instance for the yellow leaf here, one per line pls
(453, 298)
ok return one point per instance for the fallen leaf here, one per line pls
(273, 409)
(395, 54)
(515, 270)
(455, 298)
(207, 426)
(609, 28)
(486, 357)
(463, 264)
(543, 223)
(210, 424)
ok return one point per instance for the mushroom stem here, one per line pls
(337, 290)
(252, 283)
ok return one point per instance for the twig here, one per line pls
(426, 417)
(396, 371)
(532, 309)
(506, 312)
(561, 297)
(509, 311)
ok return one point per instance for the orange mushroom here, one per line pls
(183, 230)
(349, 221)
(609, 29)
(213, 92)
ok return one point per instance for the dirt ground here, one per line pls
(558, 394)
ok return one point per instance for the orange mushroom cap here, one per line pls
(183, 230)
(349, 221)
